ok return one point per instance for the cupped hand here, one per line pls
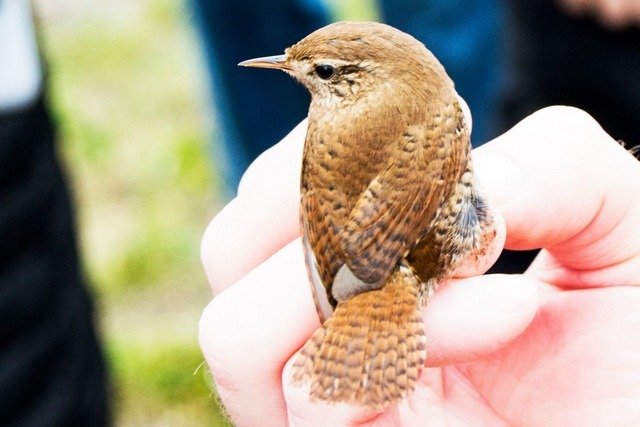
(559, 345)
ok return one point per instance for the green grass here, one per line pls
(353, 10)
(127, 88)
(125, 85)
(162, 384)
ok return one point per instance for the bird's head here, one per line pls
(349, 61)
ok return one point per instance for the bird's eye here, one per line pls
(325, 71)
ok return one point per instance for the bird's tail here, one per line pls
(370, 352)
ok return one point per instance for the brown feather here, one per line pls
(371, 351)
(388, 205)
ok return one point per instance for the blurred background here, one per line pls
(127, 92)
(144, 151)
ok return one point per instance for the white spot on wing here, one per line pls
(346, 284)
(318, 289)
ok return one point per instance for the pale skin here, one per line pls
(614, 14)
(558, 345)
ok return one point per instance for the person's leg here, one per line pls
(51, 369)
(556, 58)
(253, 110)
(465, 36)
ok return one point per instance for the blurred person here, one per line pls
(51, 367)
(463, 34)
(244, 101)
(557, 345)
(465, 37)
(615, 14)
(584, 53)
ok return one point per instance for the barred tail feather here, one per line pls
(370, 352)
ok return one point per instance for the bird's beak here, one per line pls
(278, 62)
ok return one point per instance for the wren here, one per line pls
(389, 205)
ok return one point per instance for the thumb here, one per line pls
(465, 320)
(470, 318)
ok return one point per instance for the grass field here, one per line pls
(127, 88)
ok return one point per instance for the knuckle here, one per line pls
(573, 118)
(573, 124)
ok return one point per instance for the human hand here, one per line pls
(556, 346)
(612, 13)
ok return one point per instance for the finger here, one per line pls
(261, 220)
(473, 317)
(465, 321)
(502, 169)
(580, 356)
(248, 332)
(562, 183)
(302, 412)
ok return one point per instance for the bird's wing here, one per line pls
(400, 203)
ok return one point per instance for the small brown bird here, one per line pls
(388, 204)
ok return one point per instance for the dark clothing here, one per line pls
(51, 369)
(254, 109)
(558, 59)
(465, 37)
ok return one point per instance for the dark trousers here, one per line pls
(51, 368)
(254, 109)
(555, 59)
(558, 59)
